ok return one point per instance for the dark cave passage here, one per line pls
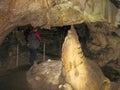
(52, 39)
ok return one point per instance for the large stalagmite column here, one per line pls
(79, 73)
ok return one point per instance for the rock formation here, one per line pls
(104, 44)
(79, 73)
(45, 76)
(75, 72)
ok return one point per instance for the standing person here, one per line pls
(33, 42)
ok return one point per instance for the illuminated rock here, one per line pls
(79, 73)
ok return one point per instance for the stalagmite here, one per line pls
(79, 73)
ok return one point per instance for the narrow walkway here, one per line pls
(15, 79)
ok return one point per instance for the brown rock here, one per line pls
(45, 76)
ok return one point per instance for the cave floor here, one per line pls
(14, 79)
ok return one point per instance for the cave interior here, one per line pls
(96, 39)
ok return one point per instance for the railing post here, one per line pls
(17, 55)
(43, 51)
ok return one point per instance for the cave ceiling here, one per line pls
(49, 13)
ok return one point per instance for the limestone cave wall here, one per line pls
(47, 13)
